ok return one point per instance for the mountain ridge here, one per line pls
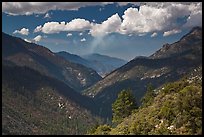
(102, 64)
(45, 61)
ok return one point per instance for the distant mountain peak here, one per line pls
(196, 31)
(184, 44)
(140, 57)
(196, 28)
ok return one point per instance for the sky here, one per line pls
(119, 29)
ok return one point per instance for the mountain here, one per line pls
(46, 62)
(168, 64)
(33, 103)
(104, 64)
(74, 58)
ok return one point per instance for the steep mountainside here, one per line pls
(179, 113)
(104, 64)
(36, 104)
(43, 60)
(173, 109)
(168, 64)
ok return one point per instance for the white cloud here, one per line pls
(82, 40)
(80, 34)
(154, 34)
(23, 31)
(56, 27)
(47, 15)
(69, 34)
(171, 32)
(51, 27)
(37, 38)
(147, 19)
(112, 24)
(159, 17)
(78, 25)
(29, 8)
(195, 18)
(150, 18)
(29, 41)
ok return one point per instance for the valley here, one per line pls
(101, 68)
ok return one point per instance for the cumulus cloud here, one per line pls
(160, 17)
(82, 40)
(171, 32)
(112, 24)
(80, 34)
(151, 17)
(78, 25)
(69, 34)
(56, 27)
(154, 34)
(147, 19)
(51, 27)
(29, 8)
(23, 31)
(37, 38)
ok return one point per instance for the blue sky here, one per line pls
(123, 30)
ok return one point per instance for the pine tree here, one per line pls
(123, 106)
(149, 96)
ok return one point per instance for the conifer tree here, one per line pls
(123, 106)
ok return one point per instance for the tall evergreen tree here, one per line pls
(123, 106)
(149, 96)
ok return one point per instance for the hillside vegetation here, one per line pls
(175, 108)
(36, 104)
